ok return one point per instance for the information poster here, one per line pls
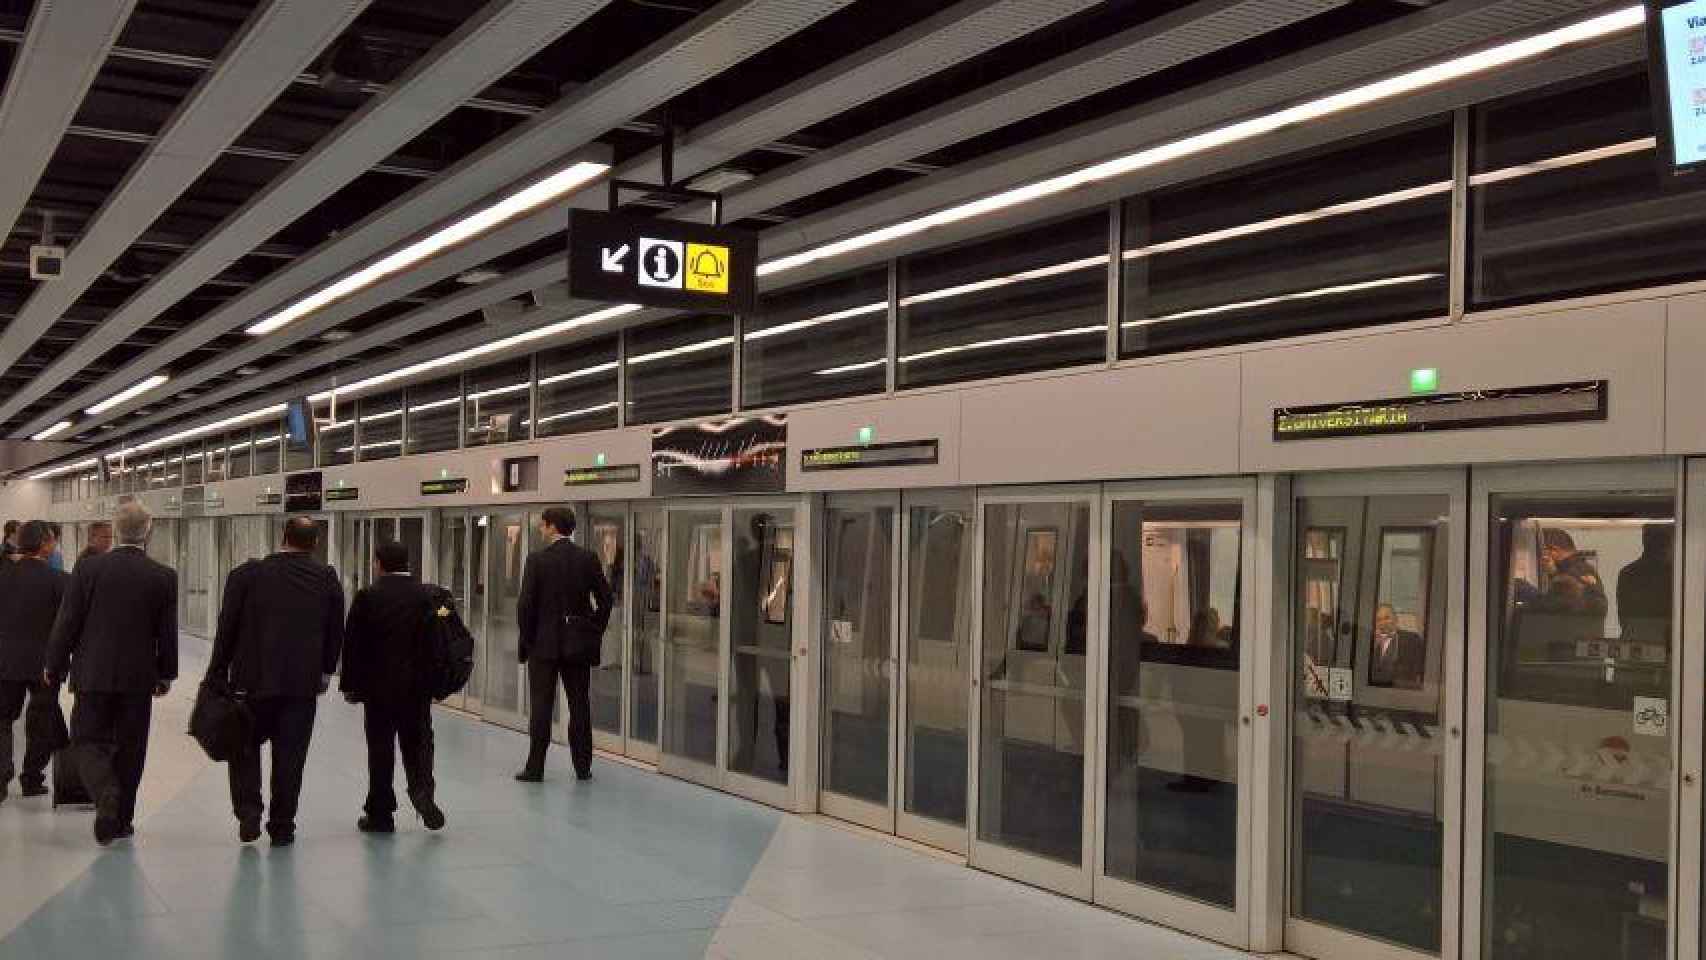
(1682, 39)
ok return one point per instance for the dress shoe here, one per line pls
(249, 829)
(126, 831)
(431, 816)
(284, 839)
(106, 830)
(531, 776)
(371, 824)
(34, 790)
(583, 777)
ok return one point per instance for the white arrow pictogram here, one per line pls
(613, 258)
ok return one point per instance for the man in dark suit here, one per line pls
(30, 593)
(564, 607)
(1397, 657)
(387, 651)
(117, 635)
(281, 630)
(9, 546)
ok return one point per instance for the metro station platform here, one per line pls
(632, 866)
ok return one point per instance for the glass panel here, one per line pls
(818, 342)
(1173, 692)
(452, 549)
(496, 409)
(692, 657)
(1567, 200)
(336, 434)
(1368, 821)
(435, 409)
(479, 600)
(857, 651)
(382, 426)
(195, 464)
(503, 636)
(411, 532)
(645, 598)
(163, 542)
(1324, 241)
(577, 388)
(680, 369)
(606, 537)
(761, 628)
(1577, 850)
(1029, 300)
(941, 564)
(267, 448)
(1035, 623)
(240, 451)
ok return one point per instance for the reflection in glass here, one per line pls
(497, 407)
(452, 542)
(1577, 849)
(938, 649)
(1173, 690)
(605, 536)
(691, 650)
(645, 599)
(856, 651)
(381, 418)
(506, 556)
(577, 388)
(434, 415)
(1031, 755)
(1367, 758)
(479, 615)
(761, 643)
(818, 341)
(680, 369)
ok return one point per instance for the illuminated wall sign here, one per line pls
(1676, 38)
(302, 492)
(661, 263)
(909, 454)
(745, 455)
(337, 494)
(442, 487)
(589, 476)
(1517, 406)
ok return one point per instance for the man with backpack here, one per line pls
(392, 653)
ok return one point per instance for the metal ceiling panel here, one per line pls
(1196, 31)
(702, 48)
(503, 36)
(274, 45)
(934, 44)
(62, 50)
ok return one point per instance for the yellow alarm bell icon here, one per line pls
(707, 268)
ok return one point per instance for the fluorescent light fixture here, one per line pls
(62, 471)
(576, 374)
(434, 404)
(584, 411)
(1408, 82)
(852, 367)
(1315, 294)
(129, 393)
(682, 350)
(806, 324)
(53, 431)
(1040, 273)
(376, 417)
(1291, 220)
(1567, 160)
(563, 182)
(498, 391)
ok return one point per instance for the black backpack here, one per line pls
(452, 660)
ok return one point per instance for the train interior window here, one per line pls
(1398, 649)
(1321, 572)
(705, 569)
(1034, 591)
(778, 547)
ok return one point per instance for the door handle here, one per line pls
(1455, 733)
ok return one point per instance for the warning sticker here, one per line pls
(707, 268)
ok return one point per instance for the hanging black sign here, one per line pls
(302, 492)
(661, 263)
(726, 456)
(1511, 407)
(437, 488)
(589, 476)
(907, 454)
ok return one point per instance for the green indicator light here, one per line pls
(599, 460)
(867, 434)
(1425, 380)
(444, 474)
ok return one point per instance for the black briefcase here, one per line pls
(221, 722)
(68, 789)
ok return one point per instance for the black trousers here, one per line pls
(391, 726)
(42, 714)
(542, 679)
(288, 722)
(109, 732)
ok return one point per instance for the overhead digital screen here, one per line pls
(909, 454)
(302, 492)
(743, 455)
(1515, 406)
(1676, 33)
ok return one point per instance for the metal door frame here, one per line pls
(855, 810)
(707, 774)
(1316, 939)
(1689, 832)
(943, 835)
(1650, 476)
(1074, 881)
(1197, 917)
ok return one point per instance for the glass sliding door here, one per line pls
(479, 603)
(1574, 673)
(645, 611)
(1038, 627)
(452, 574)
(508, 542)
(195, 577)
(692, 648)
(858, 643)
(936, 667)
(761, 631)
(1377, 661)
(603, 529)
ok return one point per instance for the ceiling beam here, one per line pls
(58, 56)
(276, 42)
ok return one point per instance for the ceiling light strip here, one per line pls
(52, 431)
(129, 393)
(1332, 291)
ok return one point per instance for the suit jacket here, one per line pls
(1405, 664)
(387, 643)
(117, 629)
(30, 594)
(564, 606)
(281, 627)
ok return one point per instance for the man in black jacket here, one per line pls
(281, 629)
(30, 594)
(9, 546)
(563, 609)
(387, 651)
(117, 634)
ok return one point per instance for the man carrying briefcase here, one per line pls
(563, 609)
